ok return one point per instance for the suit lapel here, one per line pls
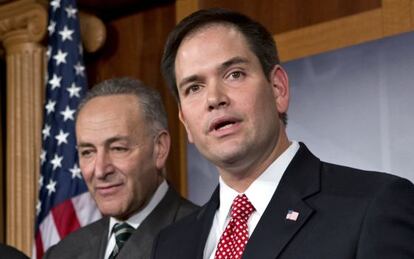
(274, 230)
(98, 240)
(140, 243)
(205, 218)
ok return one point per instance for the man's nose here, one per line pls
(103, 164)
(217, 96)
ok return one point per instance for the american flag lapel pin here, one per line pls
(292, 215)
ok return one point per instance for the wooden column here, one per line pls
(22, 27)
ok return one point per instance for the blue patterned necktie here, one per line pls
(122, 232)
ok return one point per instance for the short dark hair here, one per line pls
(259, 39)
(148, 99)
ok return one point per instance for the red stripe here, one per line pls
(39, 245)
(65, 218)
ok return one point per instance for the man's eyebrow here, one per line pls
(231, 62)
(189, 79)
(226, 64)
(107, 142)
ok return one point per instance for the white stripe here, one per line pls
(34, 255)
(85, 209)
(48, 231)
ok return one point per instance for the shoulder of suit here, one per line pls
(341, 179)
(80, 238)
(11, 252)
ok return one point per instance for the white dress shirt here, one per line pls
(136, 219)
(259, 194)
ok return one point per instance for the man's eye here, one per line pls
(192, 89)
(85, 153)
(236, 75)
(119, 149)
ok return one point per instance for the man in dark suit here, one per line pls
(11, 252)
(123, 144)
(275, 198)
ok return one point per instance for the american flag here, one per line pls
(292, 215)
(64, 202)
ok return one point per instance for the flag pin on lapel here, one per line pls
(292, 215)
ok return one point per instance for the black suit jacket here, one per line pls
(11, 252)
(90, 241)
(343, 213)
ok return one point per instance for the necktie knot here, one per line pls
(241, 208)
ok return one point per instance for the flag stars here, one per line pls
(68, 113)
(66, 34)
(55, 81)
(60, 57)
(76, 172)
(51, 187)
(62, 137)
(52, 27)
(55, 4)
(43, 156)
(46, 129)
(40, 182)
(71, 12)
(38, 207)
(79, 69)
(74, 90)
(48, 53)
(50, 107)
(56, 161)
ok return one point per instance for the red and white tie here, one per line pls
(234, 238)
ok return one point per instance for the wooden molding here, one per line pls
(329, 35)
(93, 32)
(22, 27)
(22, 21)
(394, 17)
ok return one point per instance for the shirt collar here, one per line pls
(262, 189)
(136, 219)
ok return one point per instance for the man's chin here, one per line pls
(227, 158)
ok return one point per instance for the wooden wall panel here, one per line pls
(133, 48)
(285, 15)
(2, 148)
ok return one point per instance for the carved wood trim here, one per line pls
(394, 17)
(23, 25)
(22, 21)
(25, 70)
(93, 32)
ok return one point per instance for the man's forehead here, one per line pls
(217, 27)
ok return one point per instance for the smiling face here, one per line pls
(228, 105)
(120, 160)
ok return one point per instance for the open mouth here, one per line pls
(223, 123)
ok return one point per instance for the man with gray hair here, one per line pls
(123, 144)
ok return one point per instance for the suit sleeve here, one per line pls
(388, 229)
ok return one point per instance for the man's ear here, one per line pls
(182, 119)
(280, 84)
(162, 144)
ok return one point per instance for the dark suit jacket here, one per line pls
(343, 213)
(11, 252)
(90, 241)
